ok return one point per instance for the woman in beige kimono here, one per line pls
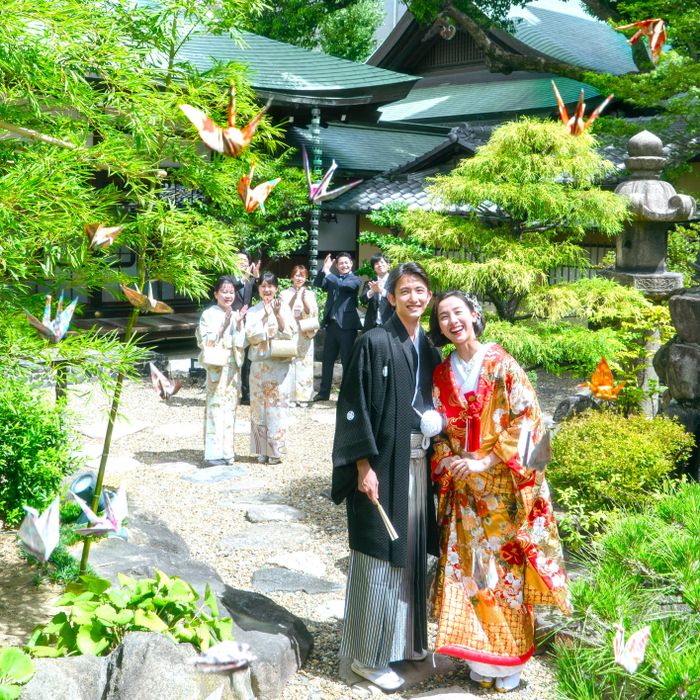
(270, 378)
(499, 547)
(302, 301)
(220, 326)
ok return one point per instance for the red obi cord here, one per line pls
(475, 405)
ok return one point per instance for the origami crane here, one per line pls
(39, 533)
(162, 385)
(146, 302)
(230, 141)
(224, 656)
(602, 385)
(102, 236)
(318, 192)
(654, 29)
(55, 329)
(575, 124)
(116, 510)
(631, 654)
(255, 197)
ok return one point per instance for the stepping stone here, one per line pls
(175, 467)
(304, 561)
(332, 610)
(273, 512)
(178, 430)
(454, 692)
(277, 579)
(247, 485)
(212, 475)
(121, 428)
(249, 499)
(268, 536)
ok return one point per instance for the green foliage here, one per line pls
(642, 570)
(98, 615)
(16, 669)
(342, 28)
(602, 462)
(556, 347)
(37, 449)
(684, 249)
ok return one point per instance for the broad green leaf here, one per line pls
(118, 597)
(106, 614)
(161, 577)
(83, 613)
(123, 617)
(224, 628)
(65, 599)
(46, 652)
(95, 584)
(55, 624)
(181, 591)
(15, 665)
(91, 640)
(9, 692)
(149, 620)
(126, 581)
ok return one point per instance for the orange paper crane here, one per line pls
(146, 302)
(254, 197)
(575, 124)
(602, 385)
(230, 141)
(102, 236)
(654, 29)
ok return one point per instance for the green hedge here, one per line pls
(37, 449)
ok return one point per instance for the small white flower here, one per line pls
(350, 415)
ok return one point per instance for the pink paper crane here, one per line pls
(629, 655)
(162, 385)
(654, 29)
(228, 140)
(40, 533)
(254, 197)
(575, 124)
(318, 192)
(116, 510)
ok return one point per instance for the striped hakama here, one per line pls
(385, 606)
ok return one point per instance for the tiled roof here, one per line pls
(563, 31)
(366, 149)
(494, 100)
(280, 67)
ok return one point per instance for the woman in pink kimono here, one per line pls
(499, 547)
(270, 378)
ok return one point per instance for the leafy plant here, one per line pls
(603, 462)
(642, 570)
(37, 449)
(16, 668)
(684, 249)
(98, 615)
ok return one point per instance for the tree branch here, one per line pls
(35, 135)
(500, 61)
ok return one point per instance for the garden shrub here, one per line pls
(602, 462)
(98, 615)
(555, 347)
(642, 571)
(37, 449)
(16, 669)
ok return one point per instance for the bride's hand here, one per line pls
(462, 467)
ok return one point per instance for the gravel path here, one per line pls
(156, 444)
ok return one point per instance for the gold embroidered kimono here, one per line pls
(499, 548)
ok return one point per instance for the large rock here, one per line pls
(144, 666)
(279, 640)
(274, 579)
(685, 314)
(572, 406)
(683, 371)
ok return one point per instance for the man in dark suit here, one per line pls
(340, 317)
(244, 286)
(373, 295)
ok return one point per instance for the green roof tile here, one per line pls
(364, 149)
(563, 31)
(276, 66)
(494, 100)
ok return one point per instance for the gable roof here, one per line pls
(278, 69)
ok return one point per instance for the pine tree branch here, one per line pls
(499, 60)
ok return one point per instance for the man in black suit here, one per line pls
(244, 285)
(340, 317)
(373, 295)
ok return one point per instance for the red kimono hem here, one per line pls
(484, 658)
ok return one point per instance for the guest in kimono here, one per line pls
(499, 547)
(302, 301)
(380, 457)
(373, 294)
(270, 378)
(244, 282)
(221, 326)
